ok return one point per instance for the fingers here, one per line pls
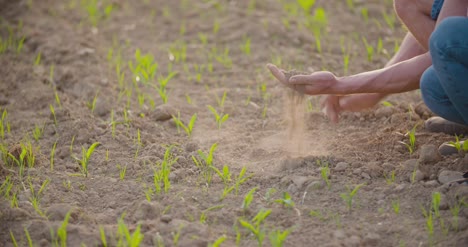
(277, 73)
(331, 107)
(312, 78)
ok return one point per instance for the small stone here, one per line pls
(57, 212)
(365, 175)
(315, 185)
(166, 218)
(400, 188)
(292, 188)
(428, 154)
(101, 108)
(371, 239)
(410, 165)
(431, 183)
(447, 149)
(341, 166)
(163, 113)
(353, 241)
(339, 234)
(444, 204)
(191, 147)
(447, 176)
(146, 211)
(385, 111)
(357, 171)
(418, 176)
(299, 181)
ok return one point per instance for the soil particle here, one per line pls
(444, 203)
(418, 176)
(101, 108)
(315, 185)
(371, 239)
(163, 113)
(291, 164)
(39, 229)
(341, 166)
(410, 165)
(300, 181)
(147, 211)
(428, 154)
(339, 234)
(166, 218)
(365, 175)
(191, 147)
(57, 212)
(431, 183)
(353, 241)
(385, 111)
(447, 176)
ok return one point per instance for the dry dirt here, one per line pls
(364, 148)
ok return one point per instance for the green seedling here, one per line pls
(203, 38)
(52, 156)
(145, 67)
(102, 234)
(379, 46)
(325, 174)
(178, 52)
(125, 237)
(61, 238)
(219, 117)
(411, 145)
(28, 237)
(4, 124)
(436, 204)
(205, 163)
(13, 239)
(317, 24)
(52, 110)
(286, 200)
(122, 171)
(85, 157)
(218, 241)
(57, 99)
(306, 5)
(37, 61)
(161, 174)
(203, 214)
(187, 128)
(92, 104)
(396, 206)
(222, 100)
(97, 10)
(224, 59)
(278, 237)
(350, 4)
(37, 132)
(245, 47)
(390, 19)
(369, 49)
(459, 145)
(365, 14)
(391, 178)
(176, 235)
(248, 199)
(455, 210)
(225, 174)
(255, 226)
(349, 196)
(429, 224)
(162, 87)
(36, 197)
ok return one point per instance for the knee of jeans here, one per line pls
(428, 83)
(445, 34)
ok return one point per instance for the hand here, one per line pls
(322, 82)
(333, 105)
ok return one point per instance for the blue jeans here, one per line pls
(444, 85)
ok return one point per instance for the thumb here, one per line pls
(331, 108)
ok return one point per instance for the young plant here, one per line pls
(349, 196)
(245, 47)
(205, 163)
(4, 124)
(396, 206)
(248, 199)
(102, 234)
(390, 179)
(255, 226)
(411, 145)
(144, 69)
(277, 237)
(219, 117)
(459, 145)
(436, 204)
(61, 238)
(286, 200)
(85, 157)
(161, 175)
(37, 132)
(325, 173)
(122, 171)
(125, 237)
(52, 110)
(429, 224)
(36, 197)
(187, 128)
(52, 156)
(218, 241)
(306, 5)
(162, 87)
(369, 49)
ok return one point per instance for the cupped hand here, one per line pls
(333, 105)
(321, 82)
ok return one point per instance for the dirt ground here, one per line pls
(206, 43)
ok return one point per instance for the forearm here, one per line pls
(398, 78)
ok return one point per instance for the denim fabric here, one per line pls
(436, 7)
(444, 85)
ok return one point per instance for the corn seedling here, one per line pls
(350, 4)
(365, 14)
(349, 196)
(96, 10)
(396, 206)
(436, 203)
(35, 198)
(178, 52)
(411, 145)
(286, 200)
(37, 61)
(325, 174)
(205, 163)
(248, 198)
(220, 118)
(57, 99)
(52, 156)
(4, 124)
(61, 238)
(221, 100)
(429, 224)
(125, 237)
(13, 239)
(176, 235)
(161, 175)
(52, 110)
(455, 210)
(187, 128)
(162, 88)
(306, 5)
(459, 145)
(218, 241)
(144, 69)
(85, 157)
(390, 19)
(278, 237)
(37, 132)
(92, 104)
(391, 178)
(369, 49)
(28, 237)
(245, 47)
(203, 214)
(203, 38)
(122, 171)
(102, 234)
(255, 226)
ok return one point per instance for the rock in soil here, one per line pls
(371, 239)
(57, 212)
(163, 113)
(147, 211)
(447, 176)
(341, 166)
(428, 154)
